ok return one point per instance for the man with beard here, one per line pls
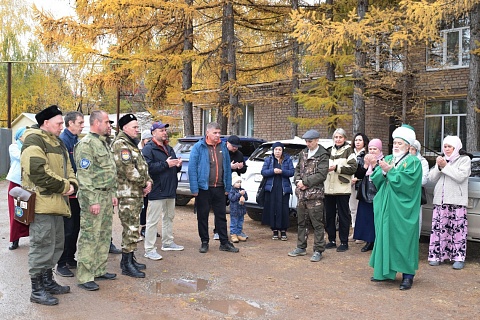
(134, 183)
(398, 179)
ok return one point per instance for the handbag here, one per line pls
(367, 190)
(423, 199)
(260, 198)
(24, 205)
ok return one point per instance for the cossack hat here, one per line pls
(158, 125)
(47, 114)
(406, 133)
(126, 119)
(234, 141)
(311, 134)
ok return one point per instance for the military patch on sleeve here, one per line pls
(125, 155)
(85, 163)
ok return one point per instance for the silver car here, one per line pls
(473, 207)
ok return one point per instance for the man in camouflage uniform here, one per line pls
(310, 174)
(96, 174)
(133, 184)
(47, 171)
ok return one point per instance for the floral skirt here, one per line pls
(448, 240)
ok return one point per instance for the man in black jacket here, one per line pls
(236, 156)
(163, 167)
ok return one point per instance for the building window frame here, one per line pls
(453, 51)
(442, 118)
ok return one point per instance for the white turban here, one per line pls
(405, 132)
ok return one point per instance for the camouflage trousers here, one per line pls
(94, 239)
(311, 210)
(129, 213)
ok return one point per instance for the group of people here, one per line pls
(78, 184)
(378, 195)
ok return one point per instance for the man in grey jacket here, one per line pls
(310, 174)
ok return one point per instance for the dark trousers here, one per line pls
(214, 198)
(332, 204)
(143, 213)
(72, 227)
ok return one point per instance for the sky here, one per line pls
(58, 8)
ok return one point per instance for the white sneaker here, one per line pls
(152, 255)
(172, 247)
(216, 236)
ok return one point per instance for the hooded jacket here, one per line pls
(47, 171)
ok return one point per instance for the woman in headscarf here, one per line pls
(415, 150)
(17, 229)
(365, 226)
(277, 169)
(448, 240)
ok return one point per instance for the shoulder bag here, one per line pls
(24, 202)
(260, 198)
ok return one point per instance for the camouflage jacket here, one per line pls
(96, 169)
(47, 171)
(132, 169)
(313, 172)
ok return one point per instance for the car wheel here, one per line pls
(255, 214)
(182, 200)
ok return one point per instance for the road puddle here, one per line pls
(237, 308)
(177, 286)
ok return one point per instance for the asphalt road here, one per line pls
(260, 282)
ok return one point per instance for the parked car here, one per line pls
(253, 176)
(473, 207)
(182, 149)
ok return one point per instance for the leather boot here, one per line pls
(138, 266)
(128, 268)
(39, 294)
(51, 286)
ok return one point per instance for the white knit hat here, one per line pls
(406, 133)
(235, 178)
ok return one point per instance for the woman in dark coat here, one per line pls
(365, 227)
(277, 169)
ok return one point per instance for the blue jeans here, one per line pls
(236, 223)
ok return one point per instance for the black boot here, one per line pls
(367, 247)
(13, 245)
(51, 286)
(138, 266)
(128, 268)
(39, 294)
(114, 249)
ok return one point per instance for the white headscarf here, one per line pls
(456, 143)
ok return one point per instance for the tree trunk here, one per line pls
(224, 95)
(232, 73)
(473, 95)
(295, 83)
(359, 83)
(188, 126)
(330, 72)
(406, 83)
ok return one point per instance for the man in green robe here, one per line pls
(398, 179)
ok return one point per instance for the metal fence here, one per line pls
(5, 141)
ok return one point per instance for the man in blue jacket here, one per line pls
(210, 178)
(163, 167)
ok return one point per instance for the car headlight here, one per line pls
(258, 177)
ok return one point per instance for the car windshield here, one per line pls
(265, 150)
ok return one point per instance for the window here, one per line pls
(245, 122)
(444, 118)
(453, 51)
(388, 59)
(208, 115)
